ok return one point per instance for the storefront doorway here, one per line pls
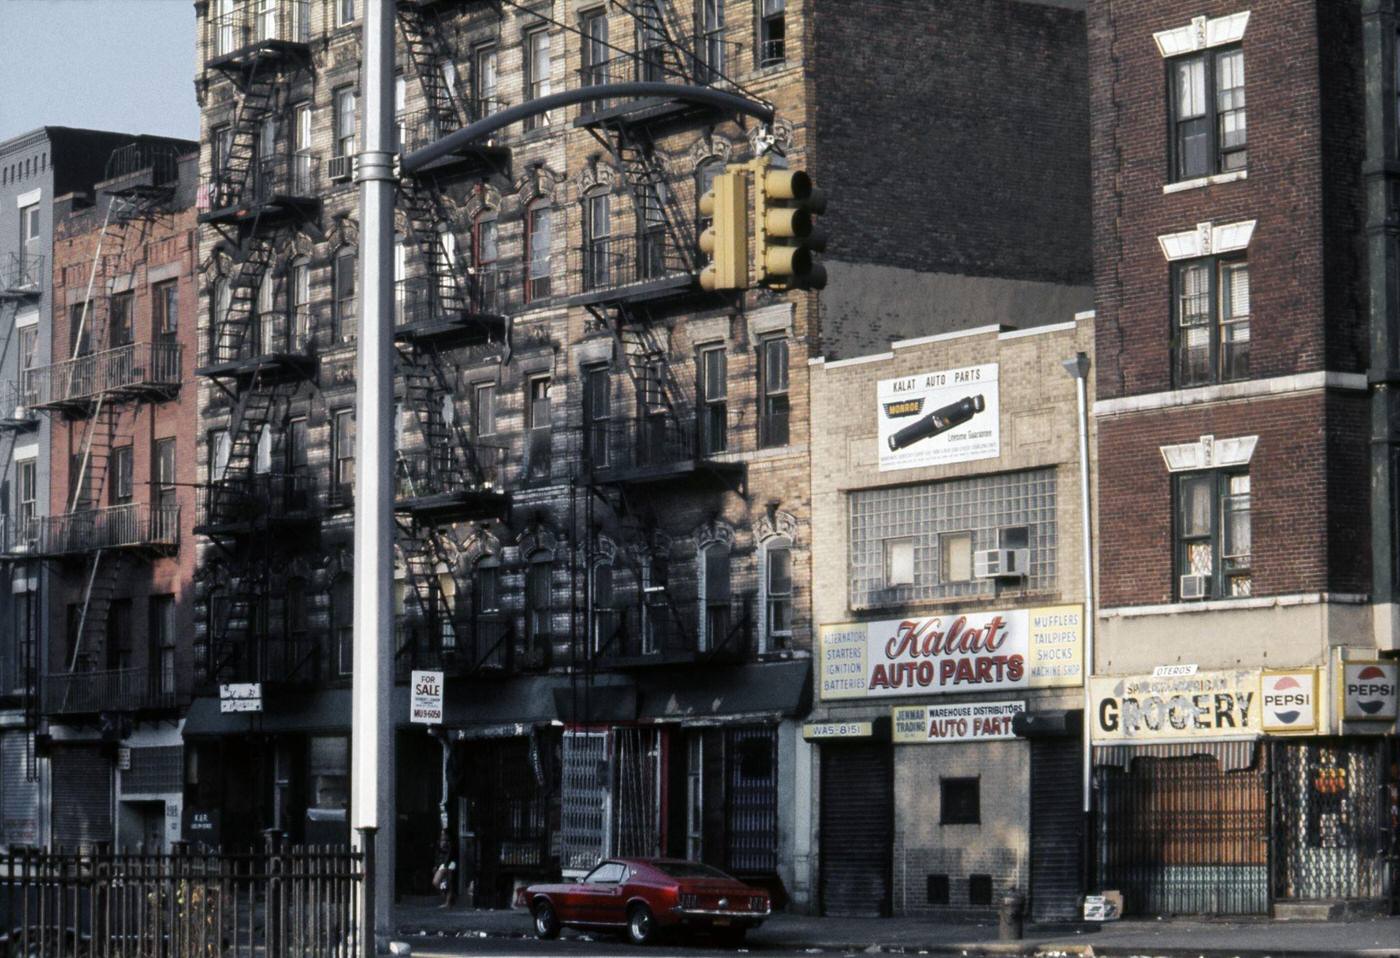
(857, 828)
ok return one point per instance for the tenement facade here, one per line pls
(602, 470)
(1244, 693)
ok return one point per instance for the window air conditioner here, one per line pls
(1194, 586)
(1001, 563)
(341, 167)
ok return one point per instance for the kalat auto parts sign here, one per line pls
(972, 652)
(1369, 691)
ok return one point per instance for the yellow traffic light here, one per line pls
(786, 236)
(726, 240)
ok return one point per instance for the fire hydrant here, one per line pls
(1011, 917)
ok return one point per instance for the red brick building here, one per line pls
(117, 532)
(1229, 143)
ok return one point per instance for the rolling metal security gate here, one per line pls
(82, 817)
(857, 829)
(1328, 799)
(1185, 835)
(1057, 838)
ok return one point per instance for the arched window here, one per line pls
(657, 630)
(485, 253)
(299, 302)
(705, 175)
(597, 239)
(654, 258)
(606, 617)
(445, 588)
(343, 284)
(775, 585)
(539, 574)
(715, 596)
(488, 624)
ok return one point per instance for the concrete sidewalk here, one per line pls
(1175, 938)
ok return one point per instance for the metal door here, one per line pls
(1329, 839)
(1183, 836)
(857, 829)
(751, 800)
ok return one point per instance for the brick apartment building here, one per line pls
(42, 175)
(603, 493)
(940, 791)
(116, 535)
(1244, 224)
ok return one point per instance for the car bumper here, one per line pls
(707, 918)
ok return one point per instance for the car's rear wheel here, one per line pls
(546, 921)
(641, 925)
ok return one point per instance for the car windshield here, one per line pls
(688, 870)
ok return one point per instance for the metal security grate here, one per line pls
(154, 770)
(982, 506)
(751, 826)
(584, 800)
(1183, 836)
(1327, 822)
(638, 791)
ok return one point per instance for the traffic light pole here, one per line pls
(371, 723)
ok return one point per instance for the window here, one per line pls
(777, 582)
(219, 450)
(704, 181)
(297, 461)
(715, 625)
(656, 613)
(955, 556)
(484, 410)
(710, 43)
(343, 281)
(300, 289)
(597, 415)
(772, 33)
(652, 259)
(537, 604)
(540, 230)
(608, 873)
(694, 795)
(27, 496)
(714, 404)
(28, 347)
(79, 330)
(597, 233)
(165, 311)
(1210, 306)
(329, 768)
(537, 67)
(163, 499)
(1213, 540)
(80, 482)
(303, 164)
(605, 615)
(119, 324)
(162, 654)
(979, 890)
(294, 609)
(221, 140)
(343, 624)
(773, 390)
(651, 42)
(899, 562)
(1208, 118)
(343, 455)
(29, 223)
(262, 452)
(122, 477)
(485, 80)
(266, 320)
(119, 646)
(594, 32)
(345, 121)
(538, 425)
(344, 12)
(960, 803)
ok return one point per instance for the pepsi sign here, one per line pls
(1289, 700)
(1369, 691)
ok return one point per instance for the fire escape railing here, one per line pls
(250, 24)
(23, 275)
(131, 524)
(134, 366)
(88, 692)
(617, 262)
(260, 497)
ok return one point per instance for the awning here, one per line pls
(322, 710)
(764, 689)
(1233, 755)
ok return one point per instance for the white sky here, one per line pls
(124, 65)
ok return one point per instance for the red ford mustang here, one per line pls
(645, 896)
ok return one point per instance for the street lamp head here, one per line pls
(1078, 367)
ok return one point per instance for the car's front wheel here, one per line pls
(641, 925)
(546, 921)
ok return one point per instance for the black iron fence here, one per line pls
(647, 441)
(285, 902)
(133, 367)
(13, 410)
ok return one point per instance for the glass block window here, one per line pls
(934, 515)
(154, 770)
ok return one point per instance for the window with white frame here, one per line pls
(716, 616)
(537, 73)
(1210, 312)
(345, 101)
(344, 12)
(777, 594)
(1213, 553)
(772, 33)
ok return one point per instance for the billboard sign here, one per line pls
(1369, 691)
(935, 418)
(956, 652)
(1289, 700)
(1206, 705)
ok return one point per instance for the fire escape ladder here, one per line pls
(103, 576)
(423, 555)
(448, 448)
(257, 98)
(658, 391)
(655, 203)
(95, 449)
(659, 20)
(424, 210)
(428, 49)
(251, 413)
(231, 333)
(234, 628)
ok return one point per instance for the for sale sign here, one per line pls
(957, 652)
(1369, 691)
(968, 722)
(934, 418)
(425, 698)
(1289, 700)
